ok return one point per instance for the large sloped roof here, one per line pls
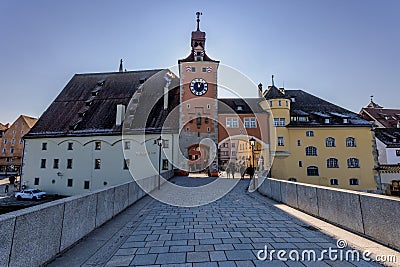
(87, 104)
(389, 136)
(317, 110)
(388, 118)
(240, 106)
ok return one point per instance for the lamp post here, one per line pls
(252, 144)
(159, 143)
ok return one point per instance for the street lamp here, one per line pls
(160, 144)
(252, 144)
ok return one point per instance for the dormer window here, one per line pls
(239, 108)
(345, 120)
(327, 121)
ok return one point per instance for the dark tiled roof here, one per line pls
(389, 118)
(95, 96)
(239, 106)
(303, 103)
(274, 93)
(389, 136)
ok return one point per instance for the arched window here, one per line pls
(332, 163)
(354, 181)
(292, 179)
(353, 163)
(311, 151)
(334, 181)
(350, 142)
(312, 171)
(309, 133)
(330, 142)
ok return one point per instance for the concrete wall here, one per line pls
(374, 216)
(33, 236)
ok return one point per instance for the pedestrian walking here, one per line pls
(6, 189)
(242, 170)
(233, 169)
(228, 171)
(250, 171)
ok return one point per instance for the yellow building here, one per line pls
(321, 143)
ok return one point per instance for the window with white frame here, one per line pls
(281, 141)
(350, 142)
(354, 181)
(4, 151)
(279, 122)
(309, 133)
(127, 145)
(250, 122)
(353, 163)
(312, 171)
(330, 142)
(232, 123)
(13, 141)
(311, 151)
(334, 181)
(332, 163)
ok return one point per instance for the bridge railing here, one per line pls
(33, 236)
(371, 215)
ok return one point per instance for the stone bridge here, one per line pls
(284, 224)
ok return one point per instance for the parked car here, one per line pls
(33, 194)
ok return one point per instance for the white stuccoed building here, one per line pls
(78, 144)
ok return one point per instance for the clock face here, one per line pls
(198, 86)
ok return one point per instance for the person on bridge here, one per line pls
(250, 171)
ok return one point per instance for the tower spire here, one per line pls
(273, 84)
(198, 19)
(121, 69)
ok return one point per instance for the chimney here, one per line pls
(120, 115)
(166, 87)
(260, 93)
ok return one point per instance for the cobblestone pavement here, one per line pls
(227, 232)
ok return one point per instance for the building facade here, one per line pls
(11, 144)
(321, 143)
(387, 133)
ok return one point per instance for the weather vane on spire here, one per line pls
(198, 19)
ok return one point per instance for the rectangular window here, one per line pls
(280, 141)
(232, 123)
(398, 153)
(126, 164)
(233, 145)
(86, 184)
(43, 163)
(208, 129)
(300, 163)
(165, 143)
(11, 150)
(97, 145)
(21, 141)
(280, 103)
(97, 164)
(250, 123)
(270, 103)
(22, 132)
(276, 122)
(36, 182)
(69, 163)
(193, 69)
(233, 153)
(56, 163)
(69, 182)
(70, 146)
(312, 171)
(127, 145)
(298, 142)
(4, 151)
(354, 181)
(334, 181)
(204, 69)
(279, 122)
(165, 164)
(5, 141)
(309, 133)
(208, 106)
(44, 146)
(13, 141)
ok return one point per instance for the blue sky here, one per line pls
(342, 51)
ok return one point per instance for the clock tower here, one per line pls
(198, 122)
